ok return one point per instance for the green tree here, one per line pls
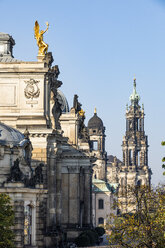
(6, 222)
(163, 159)
(144, 225)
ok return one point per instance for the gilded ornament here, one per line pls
(43, 47)
(82, 113)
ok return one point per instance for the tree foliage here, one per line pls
(100, 230)
(6, 222)
(144, 225)
(87, 238)
(163, 159)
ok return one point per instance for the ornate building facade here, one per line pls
(48, 177)
(48, 156)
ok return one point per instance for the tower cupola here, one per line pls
(95, 122)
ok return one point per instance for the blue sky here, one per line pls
(100, 45)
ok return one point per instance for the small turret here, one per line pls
(6, 45)
(96, 131)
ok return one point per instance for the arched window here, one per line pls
(100, 221)
(101, 204)
(28, 225)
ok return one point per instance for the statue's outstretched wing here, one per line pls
(36, 30)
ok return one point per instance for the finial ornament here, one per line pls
(26, 133)
(134, 83)
(134, 97)
(42, 46)
(95, 111)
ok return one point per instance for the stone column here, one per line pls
(87, 197)
(58, 193)
(124, 157)
(19, 223)
(51, 212)
(133, 157)
(81, 195)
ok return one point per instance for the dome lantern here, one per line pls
(95, 122)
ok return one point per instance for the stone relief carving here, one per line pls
(32, 90)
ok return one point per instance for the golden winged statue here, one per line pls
(43, 47)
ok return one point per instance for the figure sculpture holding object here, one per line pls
(43, 47)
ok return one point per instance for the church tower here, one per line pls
(97, 136)
(135, 168)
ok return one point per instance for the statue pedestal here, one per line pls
(47, 58)
(14, 185)
(40, 58)
(39, 186)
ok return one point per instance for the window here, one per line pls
(138, 158)
(95, 145)
(101, 204)
(101, 221)
(130, 157)
(28, 225)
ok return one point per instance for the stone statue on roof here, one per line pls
(76, 104)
